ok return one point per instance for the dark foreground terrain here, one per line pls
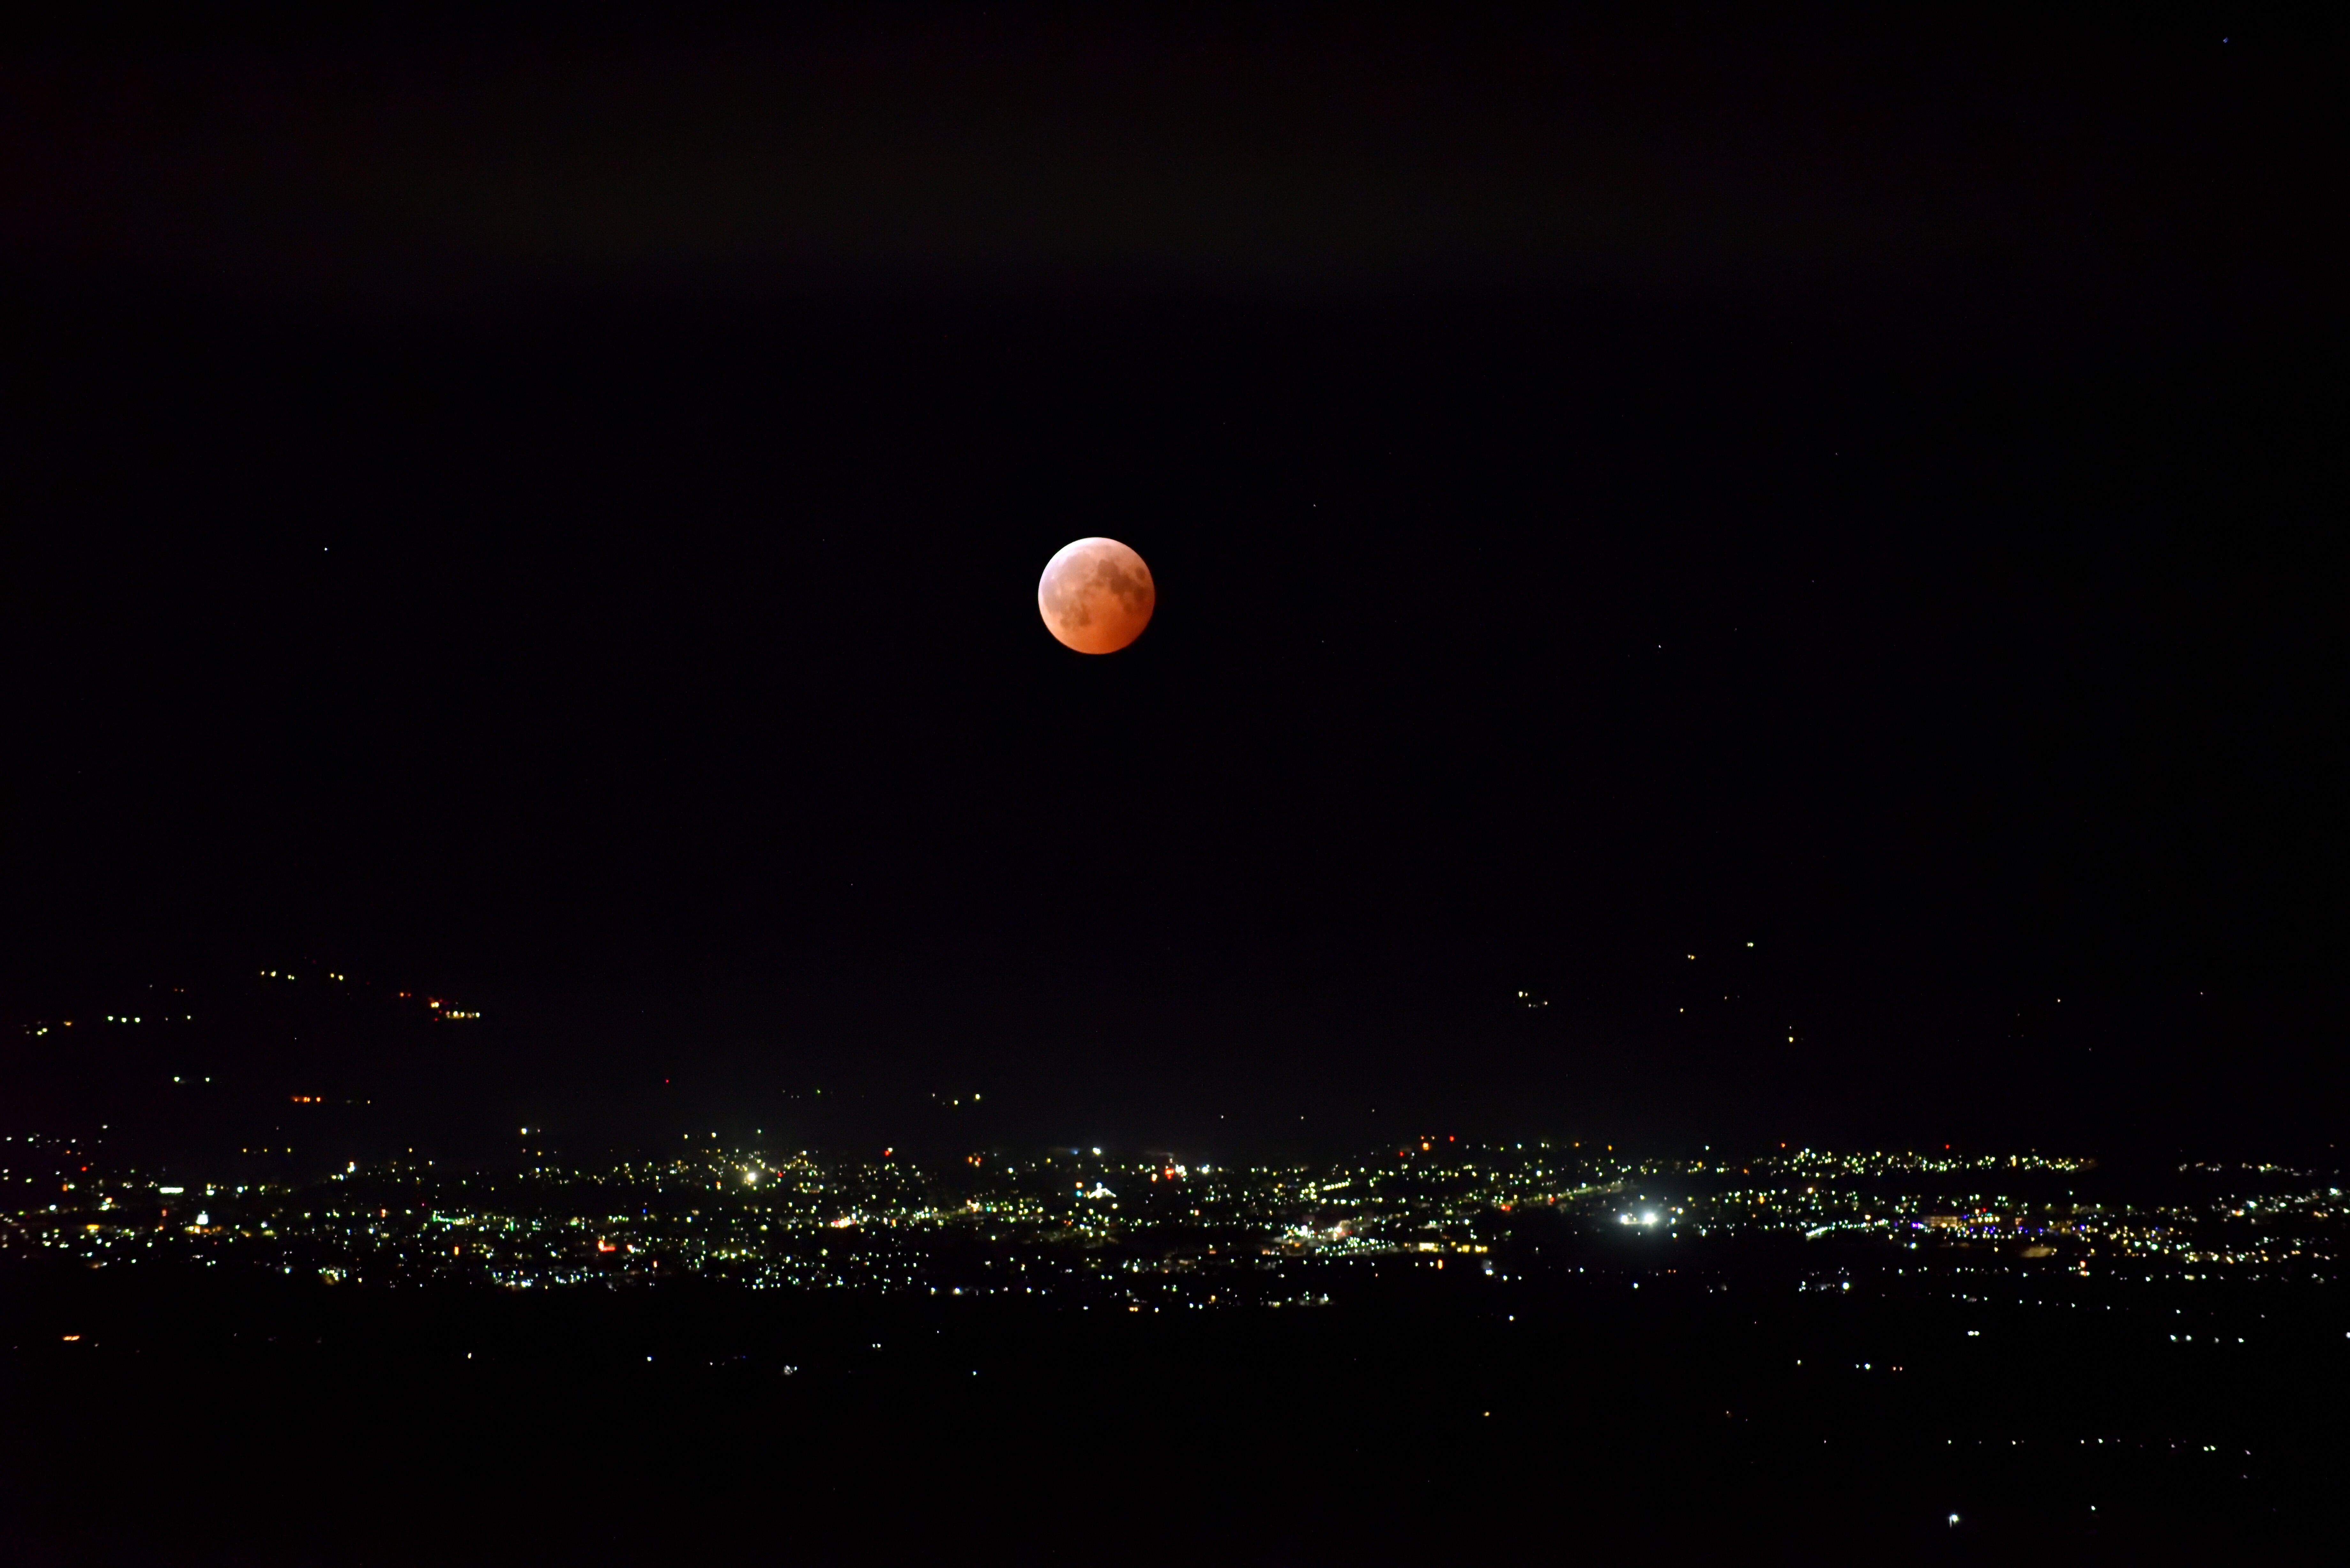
(1422, 1418)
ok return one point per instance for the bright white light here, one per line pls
(171, 1191)
(1954, 1518)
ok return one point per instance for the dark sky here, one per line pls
(548, 514)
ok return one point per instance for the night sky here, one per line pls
(547, 514)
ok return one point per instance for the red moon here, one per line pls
(1096, 596)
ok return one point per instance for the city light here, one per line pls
(1192, 1234)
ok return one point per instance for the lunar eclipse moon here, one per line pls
(1096, 596)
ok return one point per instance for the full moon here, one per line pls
(1096, 596)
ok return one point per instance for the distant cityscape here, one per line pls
(1156, 1232)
